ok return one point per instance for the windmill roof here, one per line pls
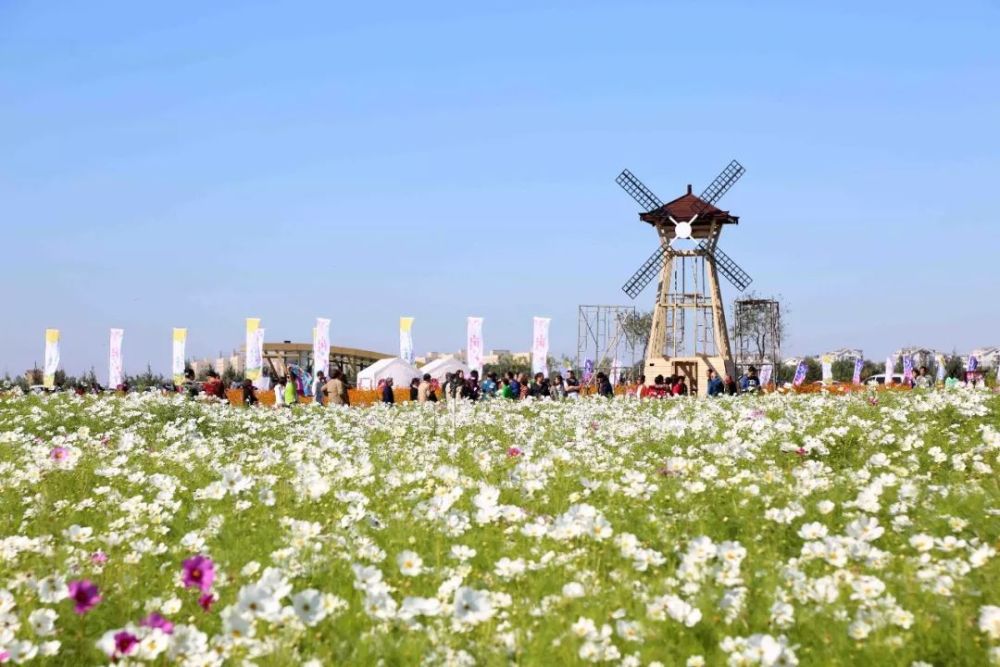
(683, 208)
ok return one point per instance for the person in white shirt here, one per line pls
(279, 392)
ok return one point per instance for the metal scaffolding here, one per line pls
(603, 338)
(757, 330)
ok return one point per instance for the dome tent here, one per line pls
(393, 367)
(441, 367)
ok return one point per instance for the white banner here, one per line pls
(261, 382)
(827, 368)
(765, 374)
(540, 345)
(254, 357)
(616, 370)
(115, 359)
(321, 347)
(406, 339)
(939, 360)
(177, 360)
(474, 344)
(890, 364)
(51, 358)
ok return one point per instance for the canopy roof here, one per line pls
(441, 367)
(683, 208)
(393, 367)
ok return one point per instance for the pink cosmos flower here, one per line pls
(84, 594)
(801, 451)
(125, 642)
(199, 571)
(154, 620)
(58, 453)
(514, 452)
(98, 558)
(206, 601)
(4, 656)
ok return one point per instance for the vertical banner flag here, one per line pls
(321, 346)
(115, 359)
(540, 345)
(588, 370)
(907, 368)
(51, 358)
(406, 339)
(973, 364)
(827, 369)
(616, 369)
(261, 382)
(890, 364)
(800, 373)
(254, 359)
(474, 344)
(939, 360)
(177, 363)
(859, 363)
(765, 374)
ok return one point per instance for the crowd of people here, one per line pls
(333, 389)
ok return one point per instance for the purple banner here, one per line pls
(858, 365)
(800, 373)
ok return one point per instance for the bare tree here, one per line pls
(637, 326)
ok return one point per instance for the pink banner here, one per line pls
(474, 344)
(115, 361)
(540, 345)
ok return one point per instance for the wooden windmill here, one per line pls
(688, 335)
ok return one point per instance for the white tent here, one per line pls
(441, 367)
(393, 367)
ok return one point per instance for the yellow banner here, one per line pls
(405, 324)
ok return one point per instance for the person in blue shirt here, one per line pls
(515, 386)
(489, 385)
(715, 386)
(750, 383)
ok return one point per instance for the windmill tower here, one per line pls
(688, 335)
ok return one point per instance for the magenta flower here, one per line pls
(199, 571)
(154, 620)
(98, 558)
(206, 601)
(84, 594)
(514, 452)
(125, 642)
(58, 453)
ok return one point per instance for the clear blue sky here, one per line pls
(163, 166)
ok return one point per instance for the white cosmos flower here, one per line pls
(236, 622)
(309, 606)
(989, 621)
(43, 621)
(573, 589)
(462, 553)
(258, 601)
(52, 589)
(410, 563)
(472, 606)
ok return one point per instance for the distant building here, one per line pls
(987, 356)
(921, 356)
(846, 354)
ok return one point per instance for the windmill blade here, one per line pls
(726, 266)
(725, 180)
(639, 192)
(649, 270)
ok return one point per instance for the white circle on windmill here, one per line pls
(682, 230)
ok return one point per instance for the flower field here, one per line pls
(772, 530)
